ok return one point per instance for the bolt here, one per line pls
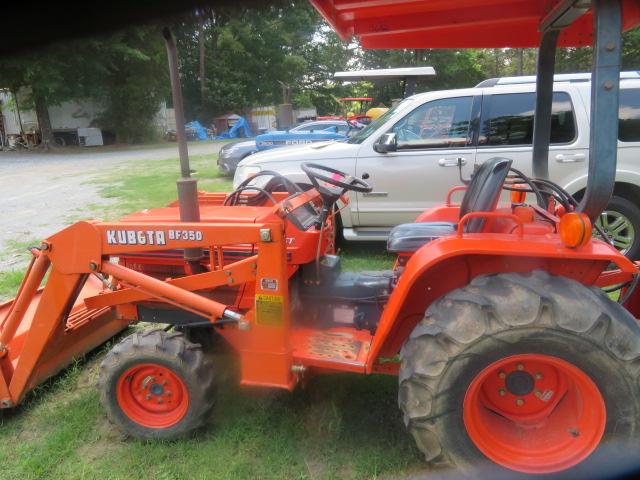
(254, 265)
(502, 375)
(520, 366)
(168, 394)
(610, 46)
(44, 246)
(164, 382)
(608, 85)
(538, 376)
(148, 396)
(230, 280)
(519, 402)
(537, 393)
(93, 266)
(502, 392)
(227, 273)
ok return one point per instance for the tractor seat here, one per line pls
(482, 195)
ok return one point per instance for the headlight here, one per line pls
(243, 172)
(227, 152)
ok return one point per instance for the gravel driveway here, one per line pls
(39, 192)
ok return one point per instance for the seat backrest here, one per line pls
(483, 192)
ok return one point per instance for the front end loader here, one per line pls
(495, 317)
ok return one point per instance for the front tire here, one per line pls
(529, 372)
(157, 385)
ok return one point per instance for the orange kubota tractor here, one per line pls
(495, 316)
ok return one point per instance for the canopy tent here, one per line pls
(461, 23)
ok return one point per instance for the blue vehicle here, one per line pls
(309, 132)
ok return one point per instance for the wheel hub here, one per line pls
(519, 383)
(152, 395)
(534, 413)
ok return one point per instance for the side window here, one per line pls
(508, 119)
(629, 115)
(439, 124)
(342, 128)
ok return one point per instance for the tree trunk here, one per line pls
(202, 51)
(521, 61)
(44, 122)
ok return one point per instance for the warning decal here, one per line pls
(269, 309)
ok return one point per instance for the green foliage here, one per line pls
(125, 72)
(135, 83)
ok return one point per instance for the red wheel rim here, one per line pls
(152, 395)
(534, 413)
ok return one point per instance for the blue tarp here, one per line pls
(201, 132)
(240, 129)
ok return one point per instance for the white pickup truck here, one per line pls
(433, 130)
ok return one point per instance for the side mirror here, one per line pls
(387, 143)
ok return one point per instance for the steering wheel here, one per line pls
(338, 179)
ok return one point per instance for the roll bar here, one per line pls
(605, 85)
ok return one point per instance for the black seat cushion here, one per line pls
(482, 195)
(408, 237)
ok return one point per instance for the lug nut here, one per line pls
(160, 400)
(502, 392)
(148, 397)
(520, 366)
(538, 376)
(519, 402)
(502, 375)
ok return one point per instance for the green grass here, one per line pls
(338, 427)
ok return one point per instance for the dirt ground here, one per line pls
(40, 193)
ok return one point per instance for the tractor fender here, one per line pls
(446, 264)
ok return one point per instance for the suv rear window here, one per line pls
(508, 119)
(629, 123)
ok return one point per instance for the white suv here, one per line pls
(433, 130)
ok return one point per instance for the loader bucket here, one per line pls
(76, 333)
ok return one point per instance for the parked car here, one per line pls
(308, 132)
(410, 154)
(231, 153)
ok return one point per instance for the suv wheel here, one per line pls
(621, 222)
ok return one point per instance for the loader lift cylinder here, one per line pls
(187, 186)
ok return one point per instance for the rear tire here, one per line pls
(536, 317)
(157, 385)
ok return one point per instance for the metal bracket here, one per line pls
(265, 234)
(564, 14)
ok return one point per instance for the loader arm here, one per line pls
(87, 298)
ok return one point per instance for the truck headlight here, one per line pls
(243, 172)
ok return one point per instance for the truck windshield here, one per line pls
(363, 134)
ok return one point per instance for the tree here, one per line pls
(125, 72)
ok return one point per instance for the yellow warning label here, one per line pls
(269, 309)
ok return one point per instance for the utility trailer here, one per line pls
(507, 348)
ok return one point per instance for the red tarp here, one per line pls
(455, 23)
